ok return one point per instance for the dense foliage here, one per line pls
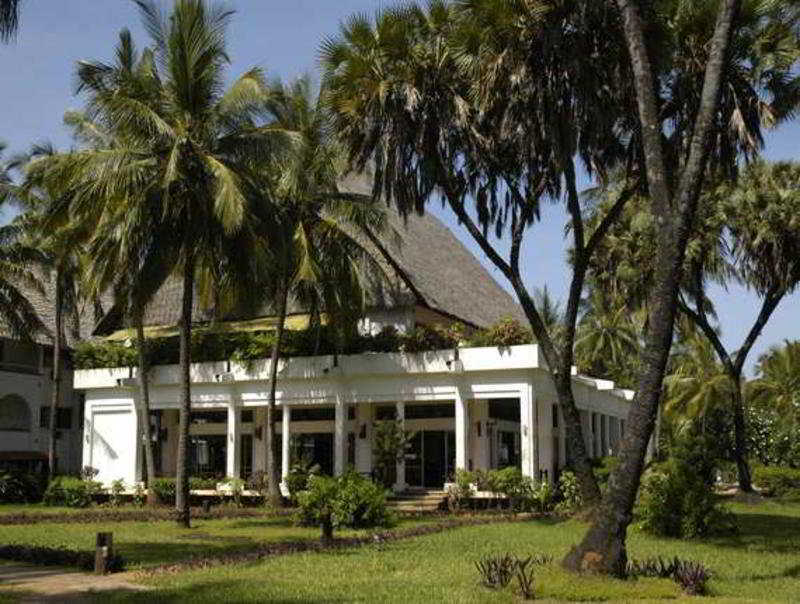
(253, 345)
(677, 497)
(779, 482)
(18, 487)
(71, 492)
(348, 500)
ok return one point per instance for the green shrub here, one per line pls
(506, 332)
(677, 497)
(569, 493)
(164, 489)
(349, 500)
(196, 483)
(460, 490)
(299, 473)
(18, 487)
(603, 466)
(117, 489)
(71, 492)
(777, 481)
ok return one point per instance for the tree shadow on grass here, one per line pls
(768, 533)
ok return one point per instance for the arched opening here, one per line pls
(15, 415)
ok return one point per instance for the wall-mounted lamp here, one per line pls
(258, 433)
(362, 433)
(478, 427)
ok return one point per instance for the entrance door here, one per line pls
(431, 459)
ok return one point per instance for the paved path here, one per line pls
(55, 584)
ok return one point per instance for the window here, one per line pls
(209, 417)
(63, 418)
(20, 357)
(430, 411)
(15, 415)
(313, 414)
(247, 416)
(504, 408)
(385, 412)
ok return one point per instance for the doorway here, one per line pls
(431, 459)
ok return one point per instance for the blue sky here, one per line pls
(37, 70)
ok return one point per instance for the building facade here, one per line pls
(489, 408)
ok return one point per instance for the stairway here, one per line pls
(417, 500)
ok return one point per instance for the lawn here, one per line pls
(760, 564)
(150, 543)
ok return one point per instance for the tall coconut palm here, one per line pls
(9, 18)
(62, 247)
(186, 143)
(763, 237)
(318, 231)
(488, 102)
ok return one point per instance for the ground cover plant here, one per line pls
(761, 563)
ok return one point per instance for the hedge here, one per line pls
(249, 346)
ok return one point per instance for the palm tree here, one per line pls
(61, 249)
(777, 386)
(9, 18)
(607, 342)
(186, 144)
(674, 201)
(697, 384)
(489, 102)
(319, 260)
(762, 249)
(17, 263)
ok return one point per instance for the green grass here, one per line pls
(158, 542)
(761, 564)
(8, 509)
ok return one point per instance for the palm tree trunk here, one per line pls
(144, 410)
(56, 393)
(603, 547)
(740, 437)
(182, 478)
(273, 491)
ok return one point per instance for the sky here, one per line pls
(37, 81)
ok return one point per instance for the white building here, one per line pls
(26, 385)
(489, 408)
(492, 408)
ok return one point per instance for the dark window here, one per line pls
(430, 411)
(555, 416)
(351, 412)
(313, 414)
(385, 412)
(63, 418)
(247, 416)
(504, 408)
(209, 417)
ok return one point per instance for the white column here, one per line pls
(286, 418)
(481, 444)
(545, 434)
(400, 481)
(462, 430)
(233, 466)
(138, 456)
(363, 431)
(527, 429)
(339, 437)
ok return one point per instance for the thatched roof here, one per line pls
(43, 304)
(424, 264)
